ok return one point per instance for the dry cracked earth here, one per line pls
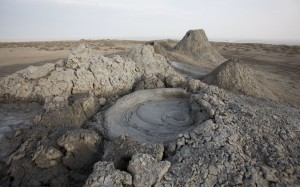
(159, 115)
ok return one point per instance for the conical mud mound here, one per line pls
(193, 41)
(195, 49)
(235, 76)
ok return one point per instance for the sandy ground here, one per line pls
(277, 66)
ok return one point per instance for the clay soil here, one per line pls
(277, 66)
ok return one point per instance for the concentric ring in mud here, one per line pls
(150, 116)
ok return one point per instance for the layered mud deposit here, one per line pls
(152, 116)
(126, 121)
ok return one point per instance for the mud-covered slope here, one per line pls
(234, 75)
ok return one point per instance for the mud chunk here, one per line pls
(81, 147)
(149, 82)
(146, 170)
(46, 157)
(122, 149)
(105, 174)
(70, 111)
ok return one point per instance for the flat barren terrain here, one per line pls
(17, 56)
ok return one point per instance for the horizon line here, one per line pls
(211, 39)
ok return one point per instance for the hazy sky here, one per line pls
(148, 19)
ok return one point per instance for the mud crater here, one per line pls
(151, 116)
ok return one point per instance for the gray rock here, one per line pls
(81, 146)
(148, 62)
(85, 72)
(175, 81)
(146, 170)
(102, 101)
(85, 81)
(35, 72)
(79, 57)
(105, 174)
(121, 150)
(46, 157)
(149, 82)
(68, 111)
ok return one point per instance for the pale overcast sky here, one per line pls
(148, 19)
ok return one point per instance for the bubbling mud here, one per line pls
(150, 116)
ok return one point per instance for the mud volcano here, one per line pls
(150, 116)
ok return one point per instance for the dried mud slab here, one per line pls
(150, 116)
